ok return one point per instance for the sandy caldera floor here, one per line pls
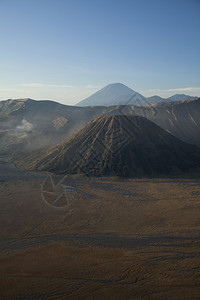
(111, 239)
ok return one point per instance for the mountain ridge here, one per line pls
(31, 125)
(180, 97)
(114, 94)
(119, 145)
(120, 94)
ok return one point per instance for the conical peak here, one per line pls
(121, 119)
(117, 85)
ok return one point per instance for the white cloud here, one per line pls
(91, 86)
(178, 89)
(66, 94)
(44, 85)
(184, 89)
(41, 85)
(193, 91)
(24, 126)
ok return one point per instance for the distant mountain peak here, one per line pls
(114, 94)
(117, 84)
(179, 97)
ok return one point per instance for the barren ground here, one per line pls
(133, 239)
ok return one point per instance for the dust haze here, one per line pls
(92, 207)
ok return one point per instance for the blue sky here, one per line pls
(65, 50)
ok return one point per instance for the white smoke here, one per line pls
(24, 126)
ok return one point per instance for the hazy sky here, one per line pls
(65, 50)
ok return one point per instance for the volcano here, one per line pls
(114, 94)
(120, 145)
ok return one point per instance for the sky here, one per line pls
(65, 50)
